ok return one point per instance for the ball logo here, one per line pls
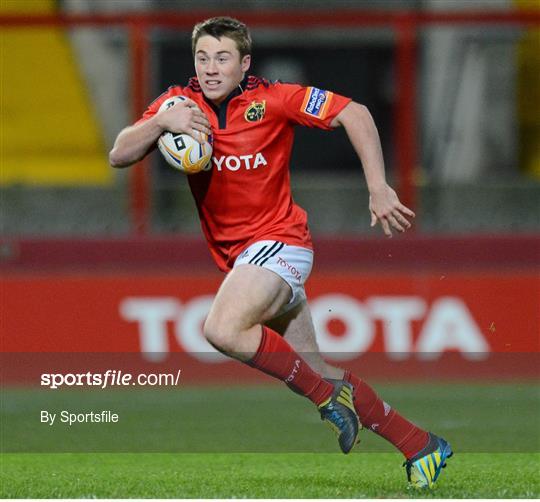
(189, 160)
(185, 152)
(255, 111)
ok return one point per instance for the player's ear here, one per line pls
(246, 62)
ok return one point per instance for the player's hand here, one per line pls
(385, 208)
(185, 117)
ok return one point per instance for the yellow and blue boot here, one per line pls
(338, 411)
(424, 468)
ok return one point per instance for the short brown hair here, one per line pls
(218, 27)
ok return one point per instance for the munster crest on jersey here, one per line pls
(255, 111)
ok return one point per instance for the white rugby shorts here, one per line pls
(292, 263)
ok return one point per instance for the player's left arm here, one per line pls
(384, 204)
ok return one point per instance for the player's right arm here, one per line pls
(135, 141)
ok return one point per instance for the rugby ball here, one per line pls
(182, 151)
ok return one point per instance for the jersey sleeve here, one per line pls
(311, 106)
(153, 107)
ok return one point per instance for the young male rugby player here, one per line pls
(257, 234)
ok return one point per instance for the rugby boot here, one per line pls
(338, 412)
(424, 468)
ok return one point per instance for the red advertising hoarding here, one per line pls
(382, 323)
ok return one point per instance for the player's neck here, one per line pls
(239, 89)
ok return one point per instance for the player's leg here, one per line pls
(292, 325)
(425, 452)
(249, 296)
(296, 326)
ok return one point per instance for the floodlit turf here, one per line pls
(262, 442)
(475, 418)
(256, 475)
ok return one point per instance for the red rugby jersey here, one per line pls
(246, 196)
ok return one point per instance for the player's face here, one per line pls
(219, 67)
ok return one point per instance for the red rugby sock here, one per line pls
(377, 416)
(277, 358)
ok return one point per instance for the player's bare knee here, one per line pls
(219, 335)
(211, 331)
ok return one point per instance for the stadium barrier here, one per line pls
(449, 308)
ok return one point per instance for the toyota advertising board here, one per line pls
(456, 325)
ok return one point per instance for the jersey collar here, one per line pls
(221, 109)
(236, 92)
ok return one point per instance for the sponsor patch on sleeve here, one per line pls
(316, 102)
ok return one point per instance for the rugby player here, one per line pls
(259, 236)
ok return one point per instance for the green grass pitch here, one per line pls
(259, 475)
(263, 442)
